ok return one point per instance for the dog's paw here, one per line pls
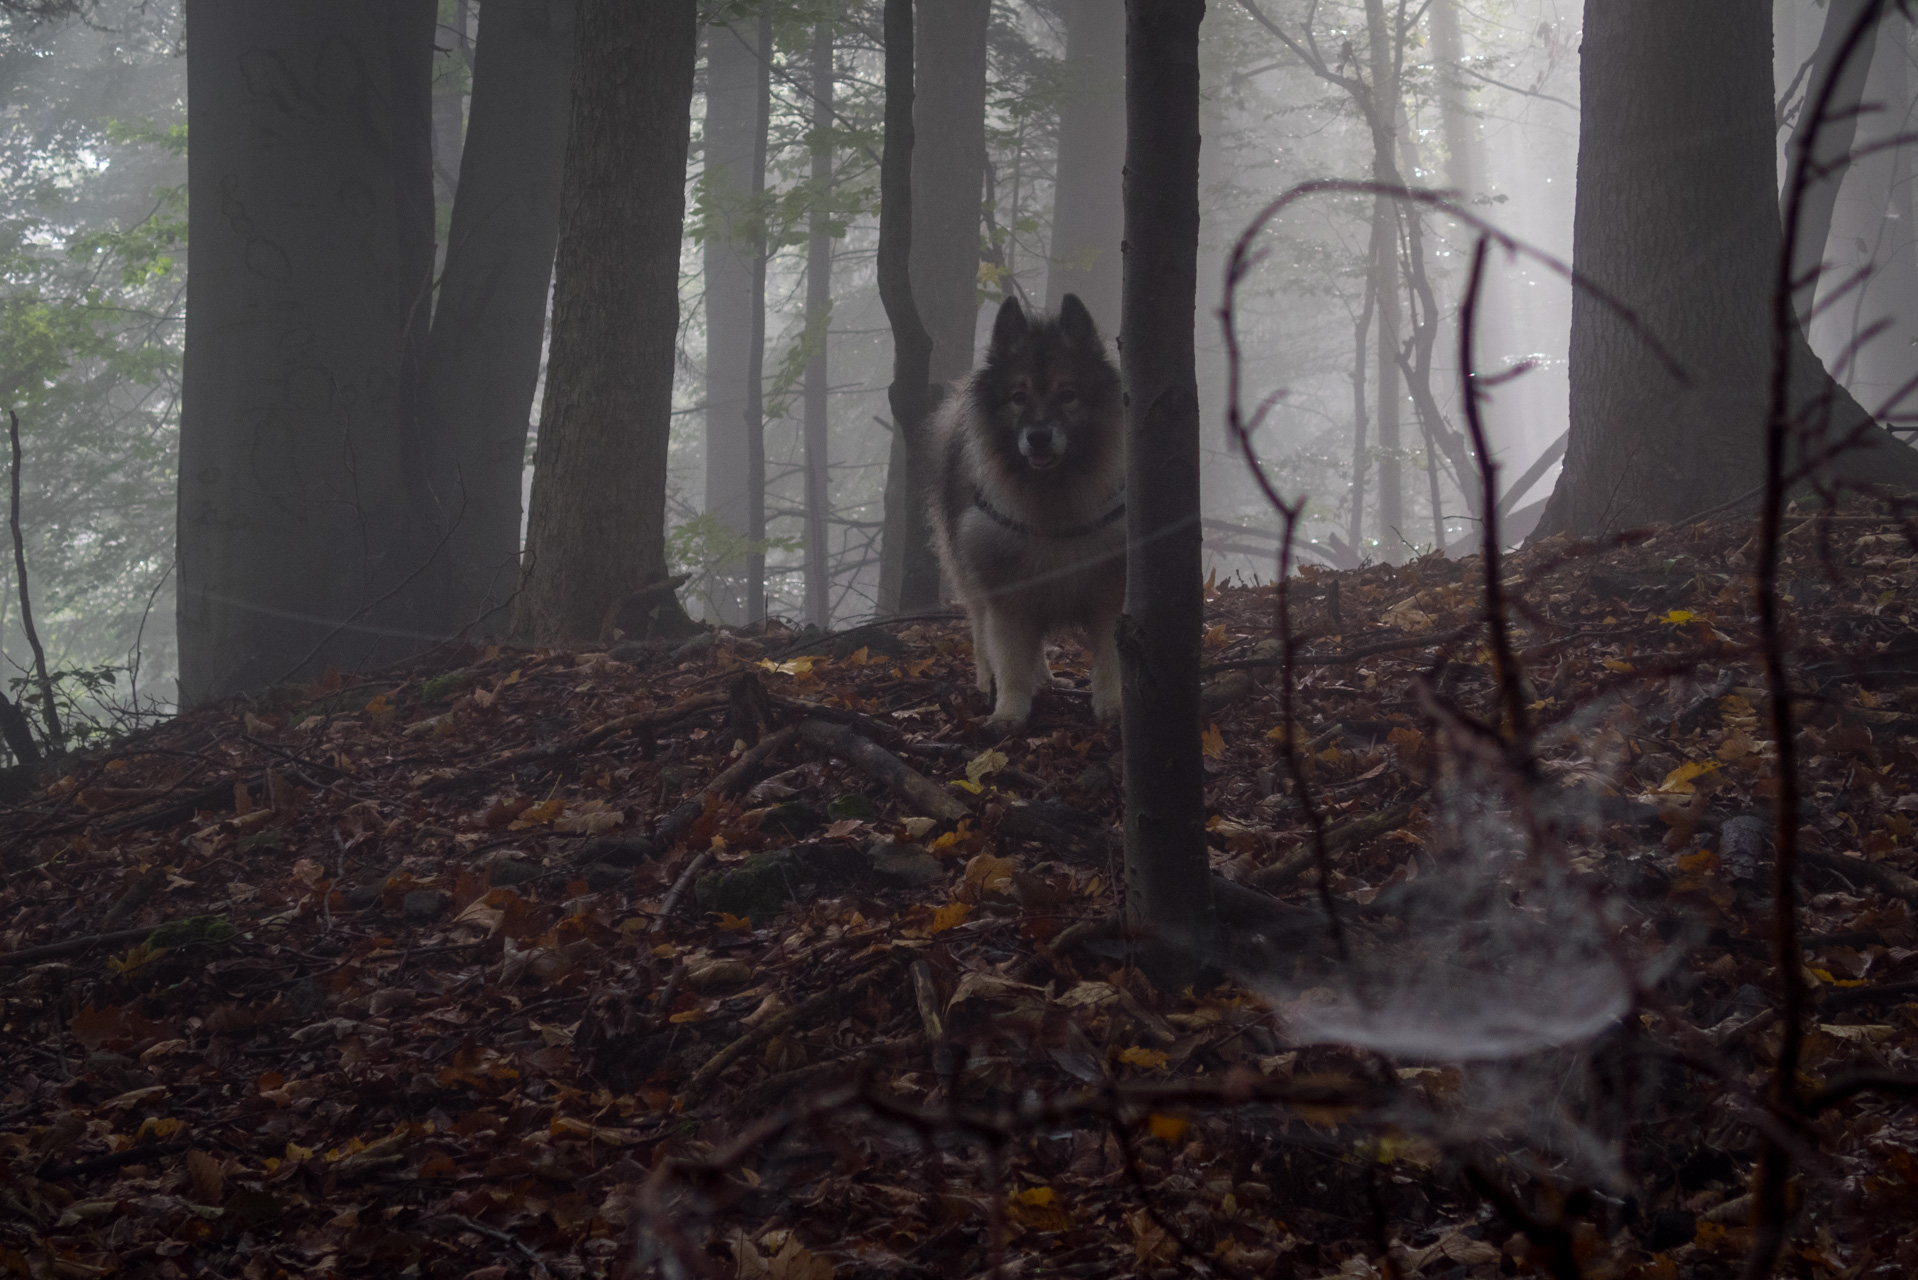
(1005, 724)
(1105, 706)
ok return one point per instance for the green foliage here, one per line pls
(92, 303)
(706, 548)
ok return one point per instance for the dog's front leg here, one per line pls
(1014, 644)
(981, 647)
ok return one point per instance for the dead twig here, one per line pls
(51, 711)
(901, 778)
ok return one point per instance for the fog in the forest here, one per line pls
(92, 247)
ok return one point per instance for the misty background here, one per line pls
(94, 267)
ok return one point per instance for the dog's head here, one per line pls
(1048, 392)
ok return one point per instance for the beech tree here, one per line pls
(304, 515)
(1682, 225)
(482, 359)
(596, 531)
(738, 88)
(1168, 882)
(818, 505)
(948, 182)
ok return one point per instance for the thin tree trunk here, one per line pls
(1088, 214)
(1361, 456)
(732, 274)
(818, 319)
(597, 528)
(1385, 271)
(756, 350)
(303, 525)
(905, 552)
(449, 115)
(482, 359)
(1168, 888)
(1697, 205)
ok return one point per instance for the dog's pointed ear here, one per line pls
(1075, 322)
(1009, 329)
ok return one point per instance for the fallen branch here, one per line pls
(651, 722)
(805, 1011)
(1335, 659)
(900, 777)
(73, 946)
(670, 903)
(630, 850)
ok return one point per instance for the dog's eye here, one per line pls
(1019, 397)
(1068, 395)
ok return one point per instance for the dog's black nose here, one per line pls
(1038, 440)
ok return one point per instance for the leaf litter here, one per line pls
(761, 959)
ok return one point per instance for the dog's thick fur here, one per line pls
(1027, 481)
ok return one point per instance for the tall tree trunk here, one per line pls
(597, 528)
(450, 80)
(1829, 153)
(818, 319)
(1088, 213)
(302, 522)
(1168, 887)
(910, 395)
(1385, 281)
(948, 183)
(1872, 231)
(482, 359)
(756, 350)
(734, 174)
(1683, 226)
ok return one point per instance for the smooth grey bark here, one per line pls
(1682, 225)
(482, 359)
(756, 340)
(948, 184)
(1088, 213)
(734, 174)
(1829, 153)
(1872, 232)
(1168, 887)
(302, 522)
(596, 532)
(1385, 282)
(910, 394)
(449, 107)
(818, 317)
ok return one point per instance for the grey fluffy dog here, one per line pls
(1028, 503)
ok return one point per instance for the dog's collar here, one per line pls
(1005, 521)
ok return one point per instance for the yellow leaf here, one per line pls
(1166, 1129)
(1679, 617)
(1038, 1197)
(1617, 664)
(1137, 1057)
(294, 1151)
(730, 923)
(512, 679)
(1679, 781)
(953, 837)
(1212, 583)
(1279, 733)
(858, 658)
(917, 669)
(986, 871)
(1212, 743)
(544, 811)
(1215, 637)
(965, 785)
(688, 1015)
(984, 765)
(948, 916)
(794, 667)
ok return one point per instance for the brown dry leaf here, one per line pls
(796, 1262)
(207, 1176)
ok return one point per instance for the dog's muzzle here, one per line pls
(1042, 446)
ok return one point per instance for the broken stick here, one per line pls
(904, 780)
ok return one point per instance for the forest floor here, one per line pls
(759, 958)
